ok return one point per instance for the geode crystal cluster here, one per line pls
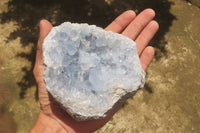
(88, 70)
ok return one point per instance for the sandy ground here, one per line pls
(170, 101)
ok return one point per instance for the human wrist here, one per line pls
(46, 124)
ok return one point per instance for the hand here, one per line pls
(52, 118)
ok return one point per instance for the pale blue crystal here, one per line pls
(89, 70)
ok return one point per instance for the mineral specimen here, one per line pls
(88, 70)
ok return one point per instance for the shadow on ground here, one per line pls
(28, 13)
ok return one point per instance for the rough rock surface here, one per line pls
(89, 71)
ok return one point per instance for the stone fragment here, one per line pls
(88, 70)
(195, 2)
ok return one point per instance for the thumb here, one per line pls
(45, 28)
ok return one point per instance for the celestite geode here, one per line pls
(88, 70)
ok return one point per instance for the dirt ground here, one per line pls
(170, 100)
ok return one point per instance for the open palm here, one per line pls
(140, 28)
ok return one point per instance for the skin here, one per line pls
(52, 118)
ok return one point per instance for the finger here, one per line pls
(121, 22)
(45, 28)
(146, 35)
(146, 57)
(137, 25)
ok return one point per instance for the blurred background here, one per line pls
(170, 100)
